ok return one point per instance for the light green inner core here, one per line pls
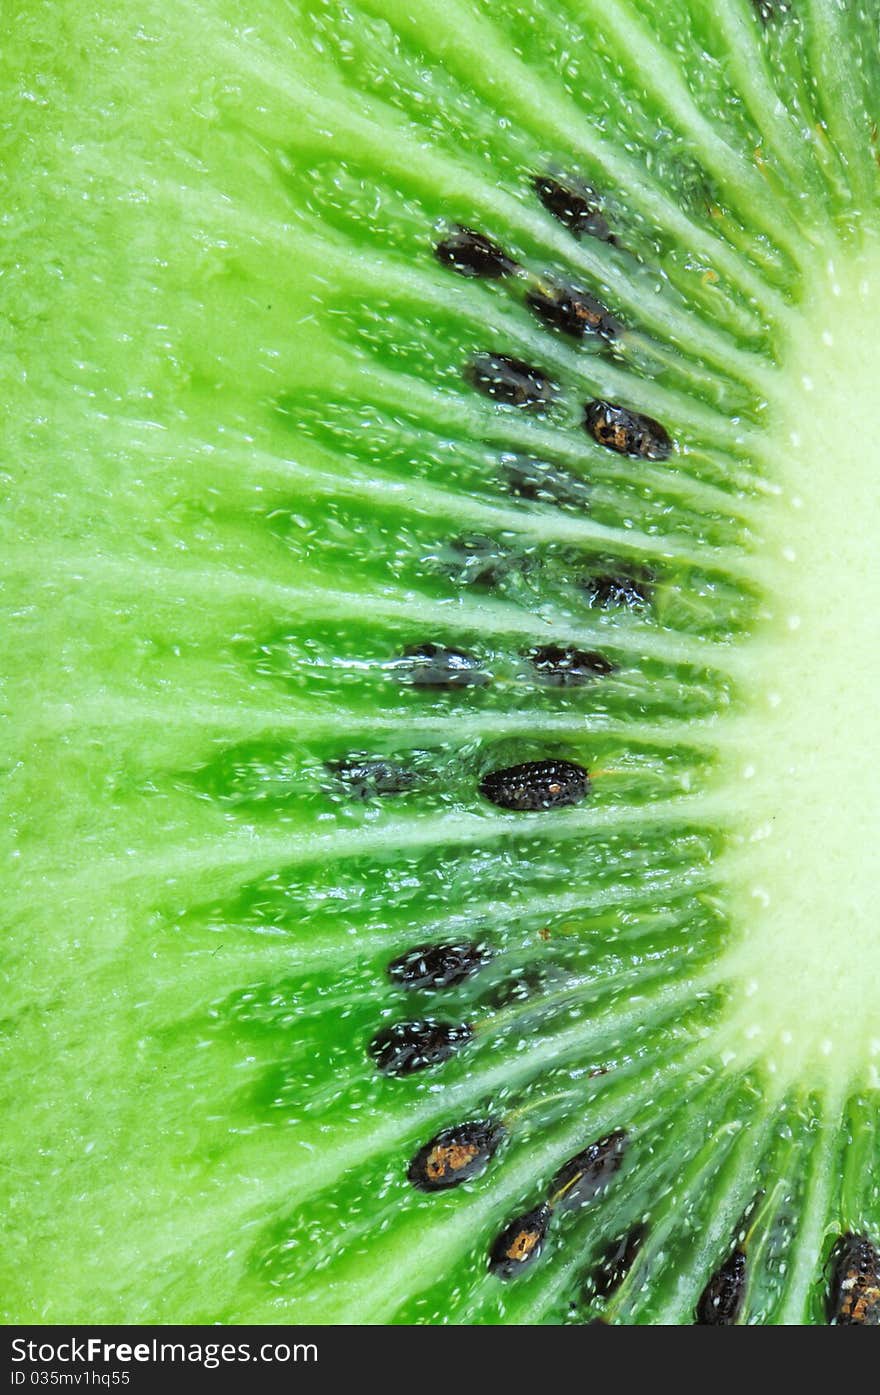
(805, 873)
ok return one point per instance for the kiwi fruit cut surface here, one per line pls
(440, 662)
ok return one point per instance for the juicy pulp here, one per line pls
(241, 446)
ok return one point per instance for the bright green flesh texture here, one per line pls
(239, 452)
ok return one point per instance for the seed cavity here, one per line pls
(536, 784)
(369, 779)
(769, 10)
(609, 591)
(525, 982)
(575, 206)
(854, 1292)
(511, 381)
(586, 1174)
(438, 966)
(473, 254)
(721, 1300)
(436, 666)
(455, 1155)
(628, 433)
(566, 667)
(481, 561)
(405, 1047)
(575, 312)
(617, 1261)
(520, 1243)
(544, 483)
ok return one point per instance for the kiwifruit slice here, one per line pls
(440, 662)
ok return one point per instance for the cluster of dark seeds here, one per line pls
(558, 303)
(461, 1152)
(436, 666)
(405, 1047)
(576, 1183)
(563, 306)
(854, 1292)
(853, 1298)
(530, 787)
(721, 1301)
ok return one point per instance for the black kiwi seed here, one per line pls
(545, 483)
(436, 666)
(722, 1299)
(536, 784)
(574, 207)
(854, 1292)
(520, 1243)
(608, 591)
(366, 779)
(617, 1261)
(628, 433)
(405, 1047)
(473, 254)
(455, 1155)
(573, 311)
(509, 380)
(438, 966)
(580, 1179)
(566, 667)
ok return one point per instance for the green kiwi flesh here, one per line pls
(440, 662)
